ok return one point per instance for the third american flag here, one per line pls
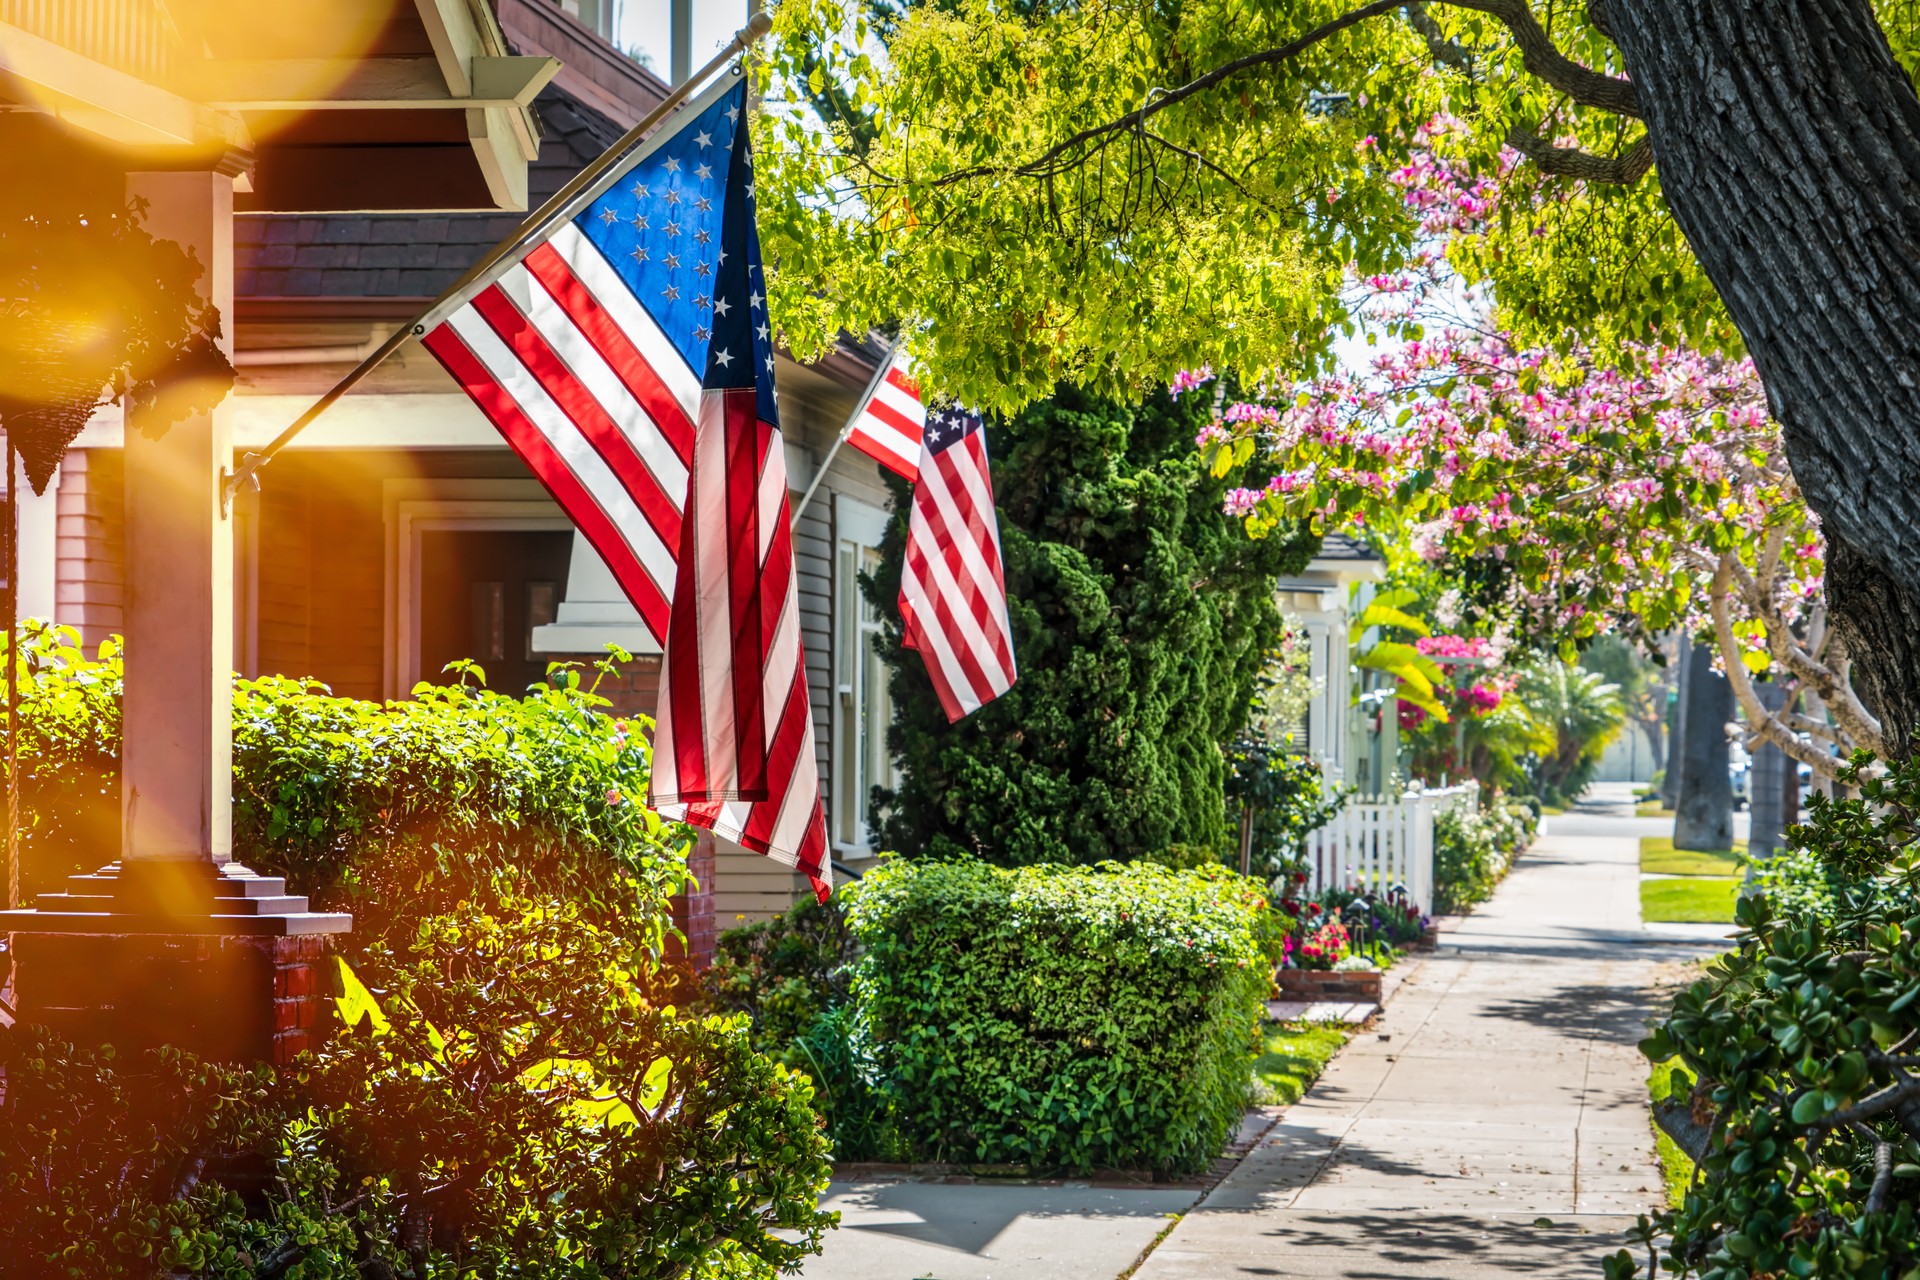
(627, 358)
(953, 591)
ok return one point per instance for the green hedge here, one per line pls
(1058, 1017)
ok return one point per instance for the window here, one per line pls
(862, 708)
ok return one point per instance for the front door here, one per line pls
(482, 592)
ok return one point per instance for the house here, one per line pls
(399, 532)
(206, 112)
(1343, 728)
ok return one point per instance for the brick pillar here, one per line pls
(226, 997)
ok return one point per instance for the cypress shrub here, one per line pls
(1142, 616)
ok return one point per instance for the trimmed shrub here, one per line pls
(1065, 1018)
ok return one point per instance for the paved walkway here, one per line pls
(1501, 1087)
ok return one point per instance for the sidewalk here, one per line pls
(1501, 1086)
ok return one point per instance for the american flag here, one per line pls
(953, 591)
(888, 427)
(627, 358)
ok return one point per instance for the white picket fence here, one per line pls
(1376, 846)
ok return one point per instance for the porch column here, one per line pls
(176, 943)
(177, 779)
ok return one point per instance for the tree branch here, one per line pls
(1676, 1119)
(1154, 105)
(1764, 722)
(1622, 170)
(1539, 55)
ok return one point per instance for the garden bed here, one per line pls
(1316, 986)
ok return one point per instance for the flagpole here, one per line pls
(859, 407)
(535, 224)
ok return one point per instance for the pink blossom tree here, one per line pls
(1646, 496)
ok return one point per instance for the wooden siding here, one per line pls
(89, 588)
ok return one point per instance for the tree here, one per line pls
(1703, 810)
(1642, 685)
(1579, 713)
(1105, 193)
(1142, 618)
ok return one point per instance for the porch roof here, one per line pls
(310, 104)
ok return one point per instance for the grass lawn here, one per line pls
(1688, 900)
(1676, 1168)
(1293, 1056)
(1658, 857)
(1650, 809)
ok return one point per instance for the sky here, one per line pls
(643, 29)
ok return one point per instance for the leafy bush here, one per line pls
(1062, 1017)
(1285, 793)
(513, 1099)
(1800, 886)
(791, 976)
(1793, 1088)
(1473, 850)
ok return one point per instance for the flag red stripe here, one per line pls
(586, 412)
(551, 470)
(746, 581)
(983, 609)
(941, 655)
(943, 602)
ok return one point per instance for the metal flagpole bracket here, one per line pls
(557, 206)
(859, 407)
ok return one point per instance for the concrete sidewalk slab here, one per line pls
(1502, 1087)
(914, 1230)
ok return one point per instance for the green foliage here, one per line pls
(1063, 1017)
(1123, 265)
(791, 976)
(1285, 794)
(1141, 618)
(515, 1096)
(1473, 850)
(1793, 1057)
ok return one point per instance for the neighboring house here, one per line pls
(399, 532)
(1336, 730)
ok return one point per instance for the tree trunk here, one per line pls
(1655, 727)
(1787, 140)
(1703, 818)
(1677, 757)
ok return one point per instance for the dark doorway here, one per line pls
(481, 596)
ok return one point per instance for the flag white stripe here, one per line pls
(886, 437)
(952, 670)
(714, 597)
(973, 562)
(901, 401)
(586, 363)
(944, 585)
(574, 449)
(611, 292)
